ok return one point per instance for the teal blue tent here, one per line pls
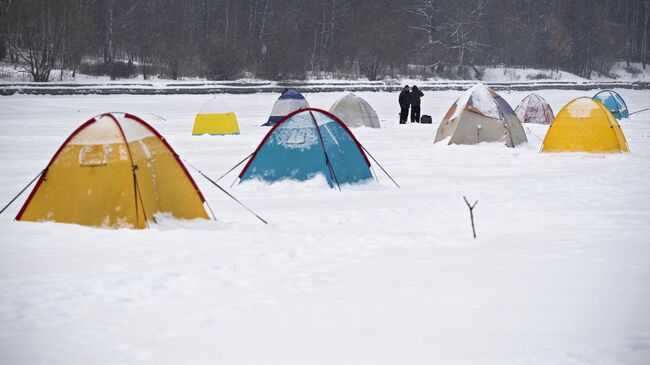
(307, 143)
(614, 102)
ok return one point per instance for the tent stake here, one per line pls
(224, 190)
(380, 166)
(21, 192)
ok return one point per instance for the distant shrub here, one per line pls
(121, 69)
(454, 72)
(632, 70)
(540, 76)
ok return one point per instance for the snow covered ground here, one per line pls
(559, 274)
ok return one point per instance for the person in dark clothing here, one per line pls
(404, 103)
(416, 94)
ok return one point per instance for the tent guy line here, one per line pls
(640, 111)
(380, 166)
(234, 167)
(222, 189)
(21, 192)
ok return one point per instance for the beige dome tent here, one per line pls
(355, 112)
(481, 115)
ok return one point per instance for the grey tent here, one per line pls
(355, 112)
(481, 115)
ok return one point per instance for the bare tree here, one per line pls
(644, 41)
(375, 46)
(461, 28)
(426, 20)
(35, 41)
(290, 38)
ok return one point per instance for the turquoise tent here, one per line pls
(614, 102)
(306, 143)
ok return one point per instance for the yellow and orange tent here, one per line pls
(114, 171)
(585, 125)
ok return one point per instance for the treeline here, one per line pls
(279, 39)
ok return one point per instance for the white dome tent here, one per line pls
(355, 112)
(534, 109)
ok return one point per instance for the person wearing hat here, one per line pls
(404, 104)
(415, 96)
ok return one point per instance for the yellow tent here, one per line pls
(114, 171)
(585, 125)
(215, 117)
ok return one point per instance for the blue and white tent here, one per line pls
(307, 143)
(614, 102)
(290, 101)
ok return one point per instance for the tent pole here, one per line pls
(380, 166)
(137, 194)
(234, 181)
(144, 212)
(374, 174)
(618, 107)
(210, 209)
(21, 192)
(134, 167)
(223, 190)
(329, 165)
(234, 167)
(327, 158)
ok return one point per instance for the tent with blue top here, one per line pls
(614, 102)
(307, 143)
(290, 101)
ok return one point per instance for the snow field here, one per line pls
(373, 274)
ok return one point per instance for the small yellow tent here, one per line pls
(585, 125)
(215, 117)
(114, 171)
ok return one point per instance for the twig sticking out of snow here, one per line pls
(471, 214)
